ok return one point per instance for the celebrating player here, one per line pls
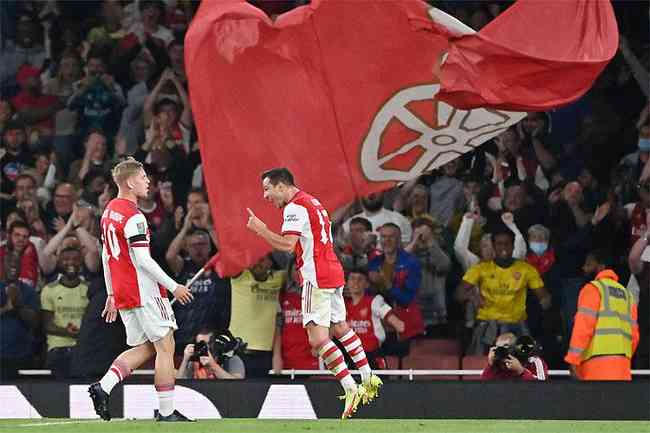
(136, 288)
(307, 232)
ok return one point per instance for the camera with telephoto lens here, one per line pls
(224, 346)
(524, 348)
(200, 349)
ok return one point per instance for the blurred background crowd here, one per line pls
(86, 83)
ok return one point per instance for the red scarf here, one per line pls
(542, 263)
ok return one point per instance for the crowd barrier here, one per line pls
(301, 398)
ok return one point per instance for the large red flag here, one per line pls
(343, 93)
(537, 55)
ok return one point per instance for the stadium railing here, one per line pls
(410, 373)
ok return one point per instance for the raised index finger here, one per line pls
(250, 212)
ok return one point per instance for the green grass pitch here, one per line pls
(323, 426)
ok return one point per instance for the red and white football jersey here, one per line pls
(316, 260)
(365, 319)
(120, 222)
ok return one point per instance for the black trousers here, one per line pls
(257, 363)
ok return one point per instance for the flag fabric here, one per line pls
(537, 55)
(342, 93)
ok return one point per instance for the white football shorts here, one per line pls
(322, 306)
(150, 322)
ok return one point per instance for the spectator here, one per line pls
(18, 320)
(77, 232)
(361, 246)
(605, 332)
(503, 284)
(206, 366)
(365, 314)
(446, 195)
(6, 114)
(29, 205)
(397, 275)
(211, 305)
(14, 157)
(35, 109)
(168, 124)
(110, 31)
(24, 186)
(97, 98)
(95, 157)
(65, 120)
(26, 48)
(98, 342)
(640, 267)
(520, 365)
(292, 349)
(18, 244)
(60, 209)
(152, 13)
(64, 303)
(416, 203)
(435, 264)
(255, 296)
(375, 212)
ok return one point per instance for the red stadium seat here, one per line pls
(426, 346)
(473, 362)
(433, 362)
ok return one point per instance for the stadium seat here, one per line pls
(426, 346)
(473, 362)
(433, 362)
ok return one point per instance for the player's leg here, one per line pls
(120, 369)
(164, 378)
(159, 327)
(316, 314)
(124, 364)
(352, 344)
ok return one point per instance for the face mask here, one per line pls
(504, 263)
(644, 144)
(538, 248)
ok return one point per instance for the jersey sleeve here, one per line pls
(535, 281)
(379, 307)
(295, 219)
(473, 275)
(135, 231)
(47, 302)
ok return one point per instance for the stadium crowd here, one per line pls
(86, 83)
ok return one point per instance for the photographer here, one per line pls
(512, 358)
(212, 358)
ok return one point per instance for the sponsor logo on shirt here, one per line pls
(291, 218)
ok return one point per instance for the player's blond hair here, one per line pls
(125, 169)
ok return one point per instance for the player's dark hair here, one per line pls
(277, 175)
(363, 221)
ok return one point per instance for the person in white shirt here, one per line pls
(375, 212)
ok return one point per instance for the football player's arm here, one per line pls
(285, 243)
(135, 231)
(107, 273)
(291, 228)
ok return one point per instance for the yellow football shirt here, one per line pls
(503, 291)
(254, 308)
(68, 305)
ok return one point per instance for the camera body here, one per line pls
(200, 349)
(224, 346)
(524, 348)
